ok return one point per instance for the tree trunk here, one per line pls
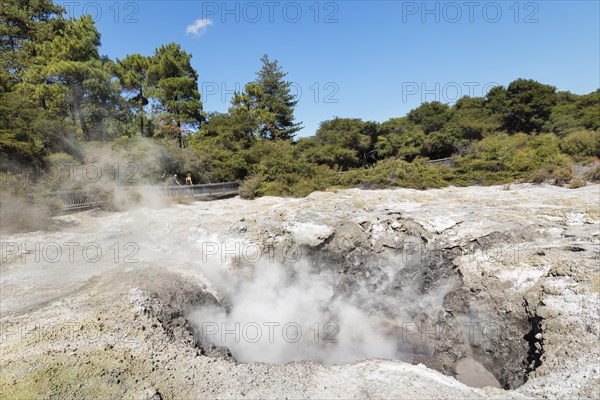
(76, 92)
(84, 127)
(179, 134)
(78, 115)
(141, 112)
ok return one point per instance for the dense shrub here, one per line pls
(399, 173)
(577, 183)
(582, 144)
(279, 170)
(249, 187)
(501, 158)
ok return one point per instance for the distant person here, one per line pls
(188, 179)
(175, 182)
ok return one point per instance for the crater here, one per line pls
(345, 300)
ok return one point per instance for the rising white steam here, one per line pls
(290, 312)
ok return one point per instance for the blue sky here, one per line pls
(368, 59)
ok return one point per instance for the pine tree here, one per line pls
(175, 86)
(21, 23)
(132, 72)
(270, 100)
(26, 133)
(68, 77)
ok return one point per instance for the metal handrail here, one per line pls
(93, 197)
(201, 190)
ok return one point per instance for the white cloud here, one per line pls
(198, 27)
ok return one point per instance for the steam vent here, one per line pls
(476, 292)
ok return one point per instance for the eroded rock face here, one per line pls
(507, 280)
(414, 282)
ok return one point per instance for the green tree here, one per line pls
(495, 102)
(20, 141)
(471, 119)
(574, 113)
(21, 23)
(331, 155)
(564, 116)
(223, 143)
(529, 104)
(440, 144)
(24, 24)
(132, 72)
(347, 141)
(175, 86)
(69, 78)
(431, 116)
(589, 108)
(270, 102)
(400, 138)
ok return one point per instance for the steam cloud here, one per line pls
(124, 176)
(279, 313)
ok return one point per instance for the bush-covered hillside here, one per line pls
(63, 103)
